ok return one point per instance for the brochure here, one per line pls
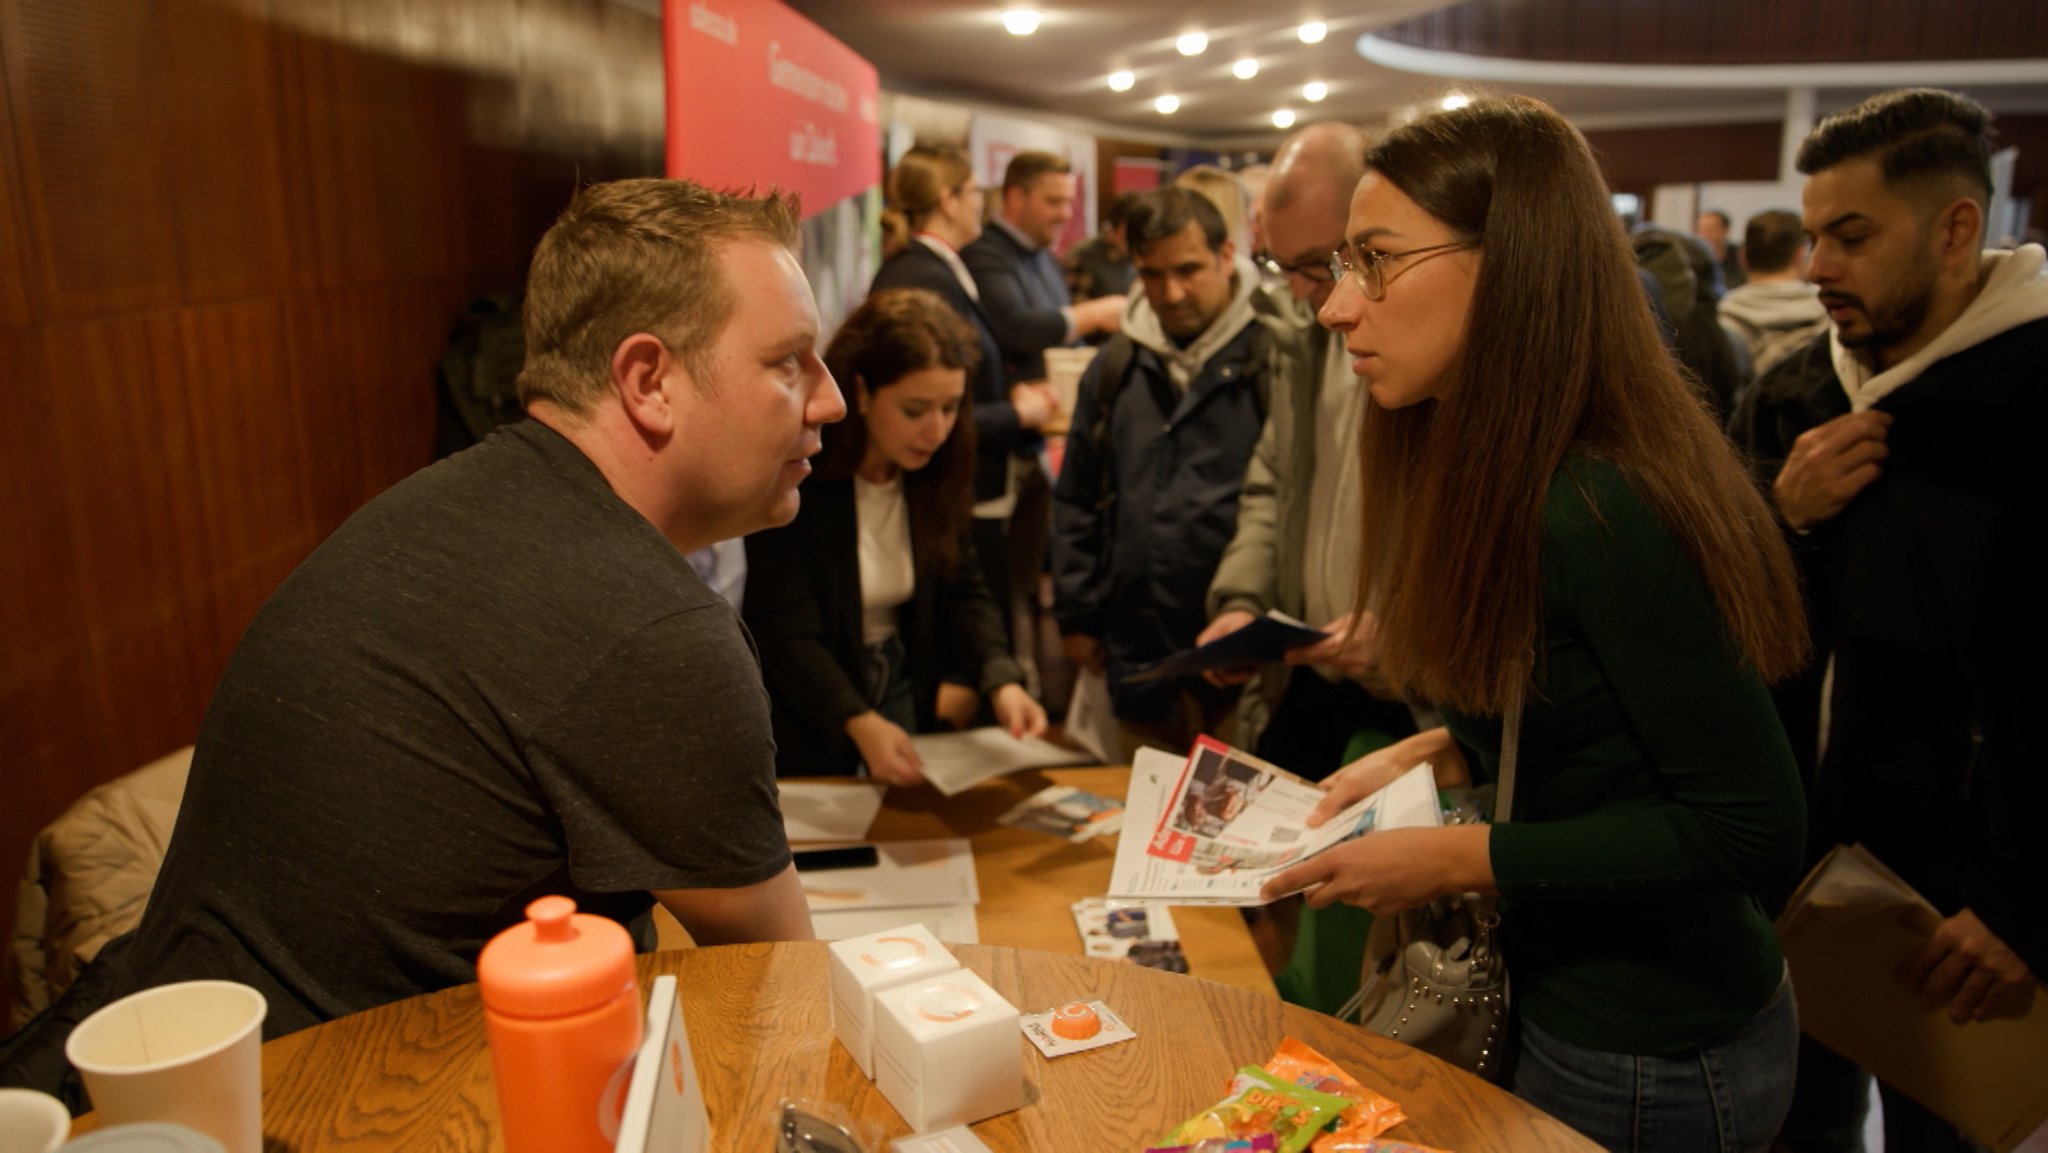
(1266, 639)
(1222, 822)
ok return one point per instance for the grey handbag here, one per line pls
(1434, 977)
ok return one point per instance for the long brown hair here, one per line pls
(1561, 356)
(893, 334)
(923, 176)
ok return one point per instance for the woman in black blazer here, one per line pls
(872, 596)
(934, 189)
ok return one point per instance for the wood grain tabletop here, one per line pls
(415, 1075)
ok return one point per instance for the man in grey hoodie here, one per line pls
(1775, 312)
(1167, 418)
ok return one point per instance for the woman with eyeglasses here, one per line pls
(1551, 516)
(934, 189)
(872, 596)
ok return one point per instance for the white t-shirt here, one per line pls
(888, 571)
(1330, 554)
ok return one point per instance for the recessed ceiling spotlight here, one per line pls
(1121, 81)
(1022, 21)
(1245, 69)
(1312, 32)
(1192, 44)
(1455, 101)
(1167, 105)
(1284, 118)
(1314, 91)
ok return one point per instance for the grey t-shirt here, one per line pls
(496, 681)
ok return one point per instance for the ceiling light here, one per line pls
(1314, 91)
(1312, 32)
(1167, 105)
(1022, 21)
(1192, 44)
(1121, 81)
(1455, 101)
(1284, 118)
(1245, 69)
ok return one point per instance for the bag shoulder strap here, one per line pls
(1510, 752)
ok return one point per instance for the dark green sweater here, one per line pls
(1656, 795)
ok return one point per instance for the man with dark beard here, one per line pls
(1898, 449)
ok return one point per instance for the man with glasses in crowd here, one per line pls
(1168, 414)
(1296, 540)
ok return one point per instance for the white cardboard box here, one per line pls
(948, 1051)
(861, 967)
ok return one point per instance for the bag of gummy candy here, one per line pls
(1369, 1114)
(1262, 1103)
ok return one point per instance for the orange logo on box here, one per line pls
(897, 958)
(944, 1004)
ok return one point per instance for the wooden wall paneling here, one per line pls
(122, 421)
(1595, 27)
(95, 157)
(248, 475)
(361, 363)
(20, 257)
(226, 176)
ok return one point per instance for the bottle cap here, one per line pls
(1076, 1021)
(555, 963)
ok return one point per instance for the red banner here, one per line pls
(759, 96)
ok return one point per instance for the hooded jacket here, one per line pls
(1140, 520)
(1922, 605)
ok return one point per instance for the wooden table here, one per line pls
(415, 1075)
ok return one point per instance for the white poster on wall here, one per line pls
(994, 138)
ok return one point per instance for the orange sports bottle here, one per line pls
(563, 1012)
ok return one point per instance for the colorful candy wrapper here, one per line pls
(1263, 1143)
(1376, 1145)
(1262, 1103)
(1369, 1115)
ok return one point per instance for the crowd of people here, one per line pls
(1425, 392)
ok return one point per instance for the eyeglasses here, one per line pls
(1315, 270)
(1373, 263)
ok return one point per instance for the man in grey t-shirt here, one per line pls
(501, 679)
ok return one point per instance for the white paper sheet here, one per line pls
(953, 924)
(829, 810)
(1090, 723)
(907, 874)
(956, 762)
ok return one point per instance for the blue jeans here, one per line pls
(1724, 1097)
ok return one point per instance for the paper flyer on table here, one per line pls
(906, 874)
(1222, 822)
(829, 810)
(956, 762)
(953, 924)
(1090, 722)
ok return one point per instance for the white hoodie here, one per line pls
(2015, 292)
(1142, 325)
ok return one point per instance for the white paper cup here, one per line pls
(32, 1122)
(189, 1053)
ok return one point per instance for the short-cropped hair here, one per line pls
(1164, 212)
(1026, 167)
(1771, 240)
(636, 256)
(1916, 135)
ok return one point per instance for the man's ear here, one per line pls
(643, 376)
(1961, 231)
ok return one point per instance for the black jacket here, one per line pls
(1135, 570)
(1921, 594)
(803, 607)
(995, 422)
